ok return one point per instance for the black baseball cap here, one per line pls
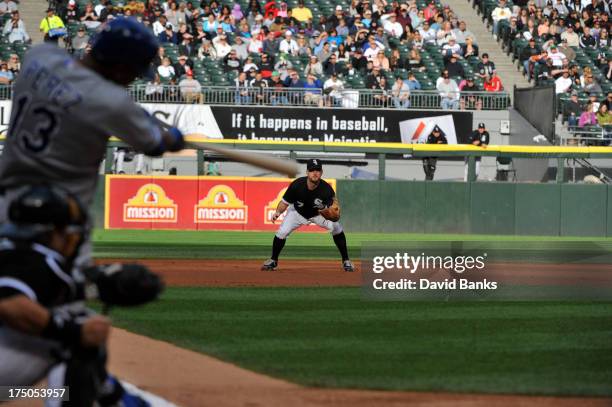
(314, 164)
(481, 126)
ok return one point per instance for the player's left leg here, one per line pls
(337, 232)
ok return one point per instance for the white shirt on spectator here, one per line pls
(222, 48)
(16, 34)
(7, 7)
(428, 35)
(289, 47)
(557, 57)
(166, 71)
(393, 29)
(255, 46)
(562, 84)
(189, 86)
(371, 52)
(573, 39)
(158, 28)
(501, 13)
(336, 85)
(248, 66)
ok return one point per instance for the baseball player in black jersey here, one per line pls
(45, 329)
(309, 199)
(436, 136)
(479, 137)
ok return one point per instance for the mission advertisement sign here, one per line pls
(194, 203)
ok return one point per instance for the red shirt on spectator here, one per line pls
(493, 85)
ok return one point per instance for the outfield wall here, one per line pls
(477, 208)
(457, 207)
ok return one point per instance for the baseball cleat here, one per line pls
(347, 265)
(269, 265)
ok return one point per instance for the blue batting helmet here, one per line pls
(41, 209)
(125, 41)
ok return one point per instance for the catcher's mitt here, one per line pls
(125, 284)
(331, 212)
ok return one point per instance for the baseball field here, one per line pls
(226, 333)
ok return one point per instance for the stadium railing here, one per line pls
(304, 97)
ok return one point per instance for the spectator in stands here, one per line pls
(469, 49)
(556, 56)
(333, 88)
(277, 94)
(381, 61)
(266, 66)
(7, 6)
(288, 45)
(270, 44)
(107, 12)
(240, 48)
(493, 83)
(608, 101)
(242, 94)
(573, 40)
(454, 68)
(312, 96)
(381, 97)
(414, 61)
(485, 67)
(14, 64)
(90, 19)
(79, 42)
(412, 82)
(324, 53)
(15, 29)
(587, 117)
(558, 71)
(186, 46)
(168, 36)
(564, 83)
(314, 67)
(250, 64)
(52, 27)
(451, 48)
(567, 50)
(301, 13)
(6, 76)
(332, 67)
(159, 26)
(427, 33)
(207, 51)
(479, 138)
(154, 90)
(221, 46)
(586, 39)
(373, 78)
(572, 110)
(391, 26)
(500, 13)
(604, 39)
(469, 100)
(545, 71)
(531, 50)
(72, 12)
(183, 66)
(258, 86)
(590, 85)
(449, 92)
(166, 70)
(190, 89)
(604, 116)
(461, 34)
(231, 62)
(400, 93)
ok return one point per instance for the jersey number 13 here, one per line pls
(33, 125)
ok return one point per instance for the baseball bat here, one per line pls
(286, 167)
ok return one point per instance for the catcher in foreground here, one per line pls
(309, 199)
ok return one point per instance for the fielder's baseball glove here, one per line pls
(331, 212)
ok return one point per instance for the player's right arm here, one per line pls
(24, 315)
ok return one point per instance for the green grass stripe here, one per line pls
(245, 245)
(330, 337)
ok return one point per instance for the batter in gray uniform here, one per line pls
(304, 200)
(64, 112)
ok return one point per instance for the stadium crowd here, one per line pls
(322, 48)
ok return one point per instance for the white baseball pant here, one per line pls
(293, 220)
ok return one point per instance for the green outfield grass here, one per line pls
(247, 245)
(330, 337)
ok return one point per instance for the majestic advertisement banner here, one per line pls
(308, 124)
(194, 203)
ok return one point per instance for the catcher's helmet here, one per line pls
(125, 41)
(41, 209)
